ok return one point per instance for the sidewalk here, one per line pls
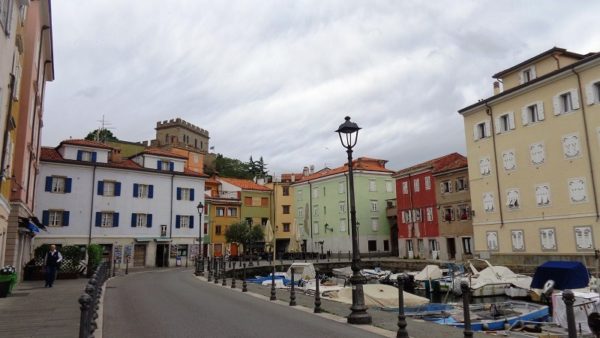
(35, 311)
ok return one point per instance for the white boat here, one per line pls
(304, 271)
(376, 295)
(585, 303)
(491, 281)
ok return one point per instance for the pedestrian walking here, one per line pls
(53, 259)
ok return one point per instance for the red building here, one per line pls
(417, 208)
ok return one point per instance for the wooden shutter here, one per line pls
(532, 72)
(149, 221)
(540, 110)
(575, 99)
(100, 187)
(94, 156)
(488, 132)
(177, 221)
(117, 188)
(66, 215)
(525, 115)
(68, 183)
(556, 104)
(151, 191)
(475, 132)
(48, 183)
(191, 225)
(133, 220)
(98, 219)
(590, 96)
(158, 165)
(191, 194)
(171, 166)
(136, 188)
(497, 125)
(179, 194)
(511, 120)
(115, 219)
(79, 155)
(45, 217)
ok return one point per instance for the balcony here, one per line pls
(390, 208)
(232, 195)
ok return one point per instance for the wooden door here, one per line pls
(139, 255)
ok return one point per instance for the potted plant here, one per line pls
(8, 279)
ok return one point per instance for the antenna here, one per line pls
(104, 125)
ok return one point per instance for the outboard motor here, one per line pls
(594, 323)
(409, 285)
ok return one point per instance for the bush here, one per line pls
(41, 251)
(94, 256)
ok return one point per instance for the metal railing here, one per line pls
(90, 301)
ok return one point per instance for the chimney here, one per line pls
(497, 88)
(115, 155)
(312, 169)
(305, 171)
(293, 178)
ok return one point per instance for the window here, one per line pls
(386, 245)
(565, 102)
(143, 190)
(184, 222)
(342, 207)
(537, 153)
(231, 212)
(182, 250)
(217, 229)
(165, 165)
(374, 206)
(461, 184)
(55, 218)
(315, 193)
(315, 227)
(220, 212)
(324, 191)
(466, 242)
(532, 113)
(341, 187)
(141, 220)
(248, 201)
(446, 187)
(512, 199)
(5, 15)
(86, 156)
(286, 227)
(372, 245)
(342, 225)
(299, 195)
(571, 147)
(286, 191)
(109, 188)
(429, 212)
(542, 195)
(300, 212)
(427, 183)
(185, 194)
(249, 220)
(481, 130)
(464, 212)
(577, 191)
(509, 160)
(263, 221)
(264, 202)
(58, 184)
(374, 224)
(417, 215)
(107, 219)
(527, 74)
(593, 93)
(488, 202)
(485, 166)
(316, 210)
(286, 209)
(505, 122)
(389, 187)
(405, 188)
(407, 216)
(416, 185)
(372, 185)
(448, 214)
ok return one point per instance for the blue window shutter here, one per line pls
(191, 222)
(179, 194)
(68, 182)
(158, 165)
(151, 191)
(100, 187)
(117, 188)
(66, 215)
(79, 155)
(133, 220)
(171, 166)
(149, 221)
(177, 221)
(45, 217)
(48, 183)
(98, 218)
(191, 194)
(136, 188)
(94, 156)
(115, 219)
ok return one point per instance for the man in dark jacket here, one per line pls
(53, 259)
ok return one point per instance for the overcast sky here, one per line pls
(276, 78)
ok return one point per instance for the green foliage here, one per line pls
(244, 234)
(41, 251)
(230, 167)
(256, 234)
(101, 135)
(94, 256)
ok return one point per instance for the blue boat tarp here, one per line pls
(566, 275)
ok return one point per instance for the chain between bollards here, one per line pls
(317, 308)
(292, 290)
(402, 333)
(466, 295)
(244, 285)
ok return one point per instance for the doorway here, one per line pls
(451, 248)
(139, 255)
(394, 240)
(162, 255)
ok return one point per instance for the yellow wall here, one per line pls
(542, 67)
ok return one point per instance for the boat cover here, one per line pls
(566, 275)
(379, 295)
(430, 272)
(585, 303)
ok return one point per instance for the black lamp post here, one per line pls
(200, 255)
(348, 132)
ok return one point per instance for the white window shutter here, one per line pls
(540, 110)
(556, 104)
(589, 94)
(532, 72)
(511, 120)
(442, 187)
(487, 129)
(497, 125)
(575, 99)
(521, 78)
(524, 116)
(475, 132)
(450, 187)
(403, 218)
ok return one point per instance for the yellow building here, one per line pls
(286, 232)
(223, 208)
(534, 159)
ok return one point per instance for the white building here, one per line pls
(144, 207)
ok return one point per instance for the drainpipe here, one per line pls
(171, 211)
(555, 56)
(39, 138)
(92, 205)
(492, 127)
(309, 211)
(6, 129)
(587, 141)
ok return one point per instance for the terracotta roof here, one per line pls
(288, 177)
(161, 152)
(444, 163)
(553, 50)
(245, 184)
(361, 163)
(86, 143)
(52, 155)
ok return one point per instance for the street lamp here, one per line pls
(348, 132)
(200, 254)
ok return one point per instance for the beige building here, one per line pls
(533, 155)
(286, 232)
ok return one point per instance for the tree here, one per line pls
(101, 135)
(244, 233)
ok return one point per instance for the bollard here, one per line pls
(401, 317)
(233, 276)
(223, 273)
(244, 286)
(127, 265)
(209, 268)
(317, 294)
(466, 294)
(114, 267)
(229, 261)
(202, 265)
(569, 299)
(292, 290)
(281, 263)
(273, 294)
(84, 325)
(349, 257)
(216, 273)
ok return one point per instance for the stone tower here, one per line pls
(181, 134)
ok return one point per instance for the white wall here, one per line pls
(149, 161)
(69, 152)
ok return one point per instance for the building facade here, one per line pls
(533, 151)
(223, 208)
(142, 208)
(282, 213)
(321, 200)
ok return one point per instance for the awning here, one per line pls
(26, 225)
(143, 240)
(33, 227)
(163, 240)
(37, 222)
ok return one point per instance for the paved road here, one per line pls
(173, 303)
